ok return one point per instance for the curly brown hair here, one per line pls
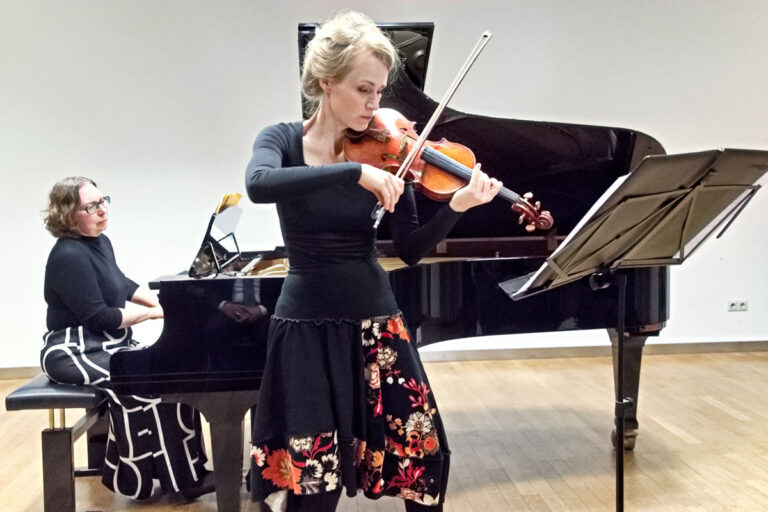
(63, 202)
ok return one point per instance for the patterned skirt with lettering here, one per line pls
(147, 439)
(346, 404)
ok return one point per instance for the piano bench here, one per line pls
(59, 471)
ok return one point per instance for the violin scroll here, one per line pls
(532, 213)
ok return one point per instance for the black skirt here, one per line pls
(346, 403)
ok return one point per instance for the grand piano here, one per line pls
(214, 363)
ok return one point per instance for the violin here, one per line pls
(439, 169)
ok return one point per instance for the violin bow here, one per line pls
(378, 211)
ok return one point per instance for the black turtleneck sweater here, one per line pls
(84, 286)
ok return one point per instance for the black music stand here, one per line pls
(659, 214)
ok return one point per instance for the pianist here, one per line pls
(91, 307)
(344, 402)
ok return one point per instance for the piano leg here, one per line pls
(633, 354)
(224, 412)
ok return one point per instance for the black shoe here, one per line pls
(205, 486)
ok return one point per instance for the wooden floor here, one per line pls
(534, 435)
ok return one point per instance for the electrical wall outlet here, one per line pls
(737, 305)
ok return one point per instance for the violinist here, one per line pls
(344, 401)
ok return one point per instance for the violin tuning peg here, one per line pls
(528, 195)
(537, 205)
(530, 228)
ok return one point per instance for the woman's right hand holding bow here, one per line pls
(384, 185)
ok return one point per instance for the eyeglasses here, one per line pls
(95, 205)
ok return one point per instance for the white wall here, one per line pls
(159, 102)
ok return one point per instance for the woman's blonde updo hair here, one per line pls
(336, 42)
(63, 202)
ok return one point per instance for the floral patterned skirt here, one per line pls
(347, 404)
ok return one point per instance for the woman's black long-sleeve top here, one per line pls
(328, 231)
(84, 286)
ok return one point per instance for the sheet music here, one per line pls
(665, 208)
(575, 231)
(224, 225)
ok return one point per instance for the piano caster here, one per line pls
(630, 436)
